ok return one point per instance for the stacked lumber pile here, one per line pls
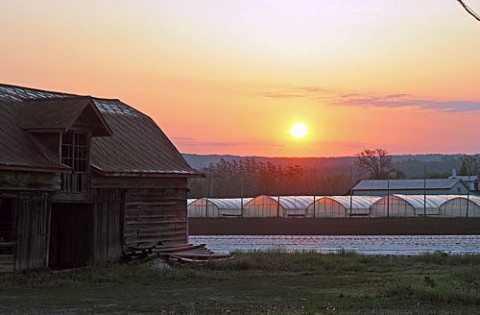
(171, 253)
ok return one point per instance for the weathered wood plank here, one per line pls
(146, 223)
(32, 211)
(155, 214)
(170, 239)
(143, 203)
(73, 197)
(29, 181)
(108, 236)
(7, 259)
(154, 209)
(136, 183)
(163, 216)
(155, 230)
(7, 244)
(7, 267)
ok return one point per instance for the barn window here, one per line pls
(75, 153)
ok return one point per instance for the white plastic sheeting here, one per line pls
(216, 207)
(295, 206)
(461, 206)
(278, 206)
(263, 207)
(341, 206)
(408, 205)
(396, 205)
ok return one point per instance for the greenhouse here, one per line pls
(215, 207)
(296, 206)
(408, 205)
(277, 206)
(461, 206)
(341, 206)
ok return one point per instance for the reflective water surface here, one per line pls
(362, 244)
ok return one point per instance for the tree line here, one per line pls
(249, 177)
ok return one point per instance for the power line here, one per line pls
(469, 10)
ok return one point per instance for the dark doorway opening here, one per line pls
(6, 225)
(71, 238)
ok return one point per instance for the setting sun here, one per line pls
(299, 130)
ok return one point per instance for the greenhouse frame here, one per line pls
(461, 206)
(341, 206)
(408, 205)
(217, 207)
(277, 206)
(263, 206)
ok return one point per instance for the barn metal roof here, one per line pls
(18, 93)
(137, 147)
(59, 115)
(468, 178)
(406, 184)
(19, 150)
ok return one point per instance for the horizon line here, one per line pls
(322, 157)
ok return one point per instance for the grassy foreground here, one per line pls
(257, 283)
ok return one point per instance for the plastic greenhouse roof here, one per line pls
(432, 201)
(228, 203)
(358, 202)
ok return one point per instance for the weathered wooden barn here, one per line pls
(82, 178)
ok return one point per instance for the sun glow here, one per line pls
(299, 130)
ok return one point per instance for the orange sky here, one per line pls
(231, 77)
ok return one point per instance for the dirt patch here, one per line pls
(350, 226)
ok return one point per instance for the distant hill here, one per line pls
(411, 165)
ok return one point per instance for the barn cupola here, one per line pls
(63, 127)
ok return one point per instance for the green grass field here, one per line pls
(256, 283)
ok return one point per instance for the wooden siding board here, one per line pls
(107, 217)
(155, 215)
(30, 181)
(138, 184)
(7, 263)
(32, 219)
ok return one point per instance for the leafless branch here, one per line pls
(375, 162)
(469, 10)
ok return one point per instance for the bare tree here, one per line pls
(469, 10)
(469, 165)
(377, 163)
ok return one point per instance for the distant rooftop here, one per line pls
(407, 184)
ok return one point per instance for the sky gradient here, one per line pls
(231, 77)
